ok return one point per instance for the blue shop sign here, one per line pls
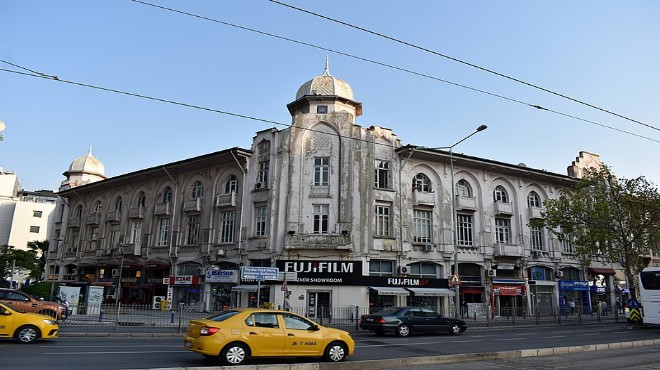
(573, 285)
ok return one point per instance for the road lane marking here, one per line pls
(554, 336)
(512, 339)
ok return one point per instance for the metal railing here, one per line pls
(116, 318)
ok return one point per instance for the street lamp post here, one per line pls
(457, 294)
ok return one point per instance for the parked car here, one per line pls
(234, 335)
(23, 302)
(403, 321)
(26, 327)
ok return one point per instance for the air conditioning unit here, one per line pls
(115, 272)
(220, 252)
(157, 300)
(108, 252)
(402, 270)
(199, 271)
(536, 253)
(560, 273)
(259, 185)
(428, 248)
(492, 273)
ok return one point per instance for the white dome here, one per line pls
(87, 164)
(326, 84)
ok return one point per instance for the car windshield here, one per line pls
(222, 316)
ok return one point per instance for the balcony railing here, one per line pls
(113, 216)
(465, 203)
(503, 208)
(507, 250)
(423, 198)
(136, 212)
(319, 241)
(535, 212)
(93, 218)
(193, 205)
(162, 209)
(226, 200)
(74, 222)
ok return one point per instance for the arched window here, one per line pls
(118, 202)
(79, 212)
(197, 190)
(231, 184)
(463, 189)
(167, 195)
(421, 183)
(533, 200)
(141, 198)
(97, 206)
(500, 195)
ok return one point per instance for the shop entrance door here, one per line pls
(318, 305)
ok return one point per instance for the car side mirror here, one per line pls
(315, 328)
(41, 298)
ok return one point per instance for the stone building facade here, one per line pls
(348, 215)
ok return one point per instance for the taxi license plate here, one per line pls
(188, 344)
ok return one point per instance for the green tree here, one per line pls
(615, 219)
(19, 258)
(40, 250)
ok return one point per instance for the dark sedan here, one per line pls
(403, 321)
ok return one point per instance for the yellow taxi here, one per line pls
(234, 335)
(26, 327)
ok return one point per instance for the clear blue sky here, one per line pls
(605, 53)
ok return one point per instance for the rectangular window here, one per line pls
(163, 232)
(262, 175)
(568, 246)
(228, 227)
(34, 229)
(321, 213)
(464, 230)
(381, 268)
(135, 237)
(321, 171)
(93, 238)
(382, 178)
(422, 223)
(503, 230)
(383, 213)
(260, 217)
(192, 233)
(114, 236)
(37, 214)
(321, 109)
(536, 236)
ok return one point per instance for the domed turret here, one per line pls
(83, 170)
(326, 84)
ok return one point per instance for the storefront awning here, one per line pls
(247, 288)
(601, 270)
(431, 291)
(390, 290)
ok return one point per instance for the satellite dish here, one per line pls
(2, 126)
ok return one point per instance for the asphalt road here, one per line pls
(143, 351)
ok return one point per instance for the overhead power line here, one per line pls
(531, 105)
(32, 73)
(464, 62)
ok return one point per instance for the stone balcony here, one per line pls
(507, 250)
(319, 241)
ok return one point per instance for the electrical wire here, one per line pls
(463, 62)
(535, 106)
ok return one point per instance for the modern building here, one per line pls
(25, 216)
(347, 215)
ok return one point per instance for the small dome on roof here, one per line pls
(325, 84)
(87, 164)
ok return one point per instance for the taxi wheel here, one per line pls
(335, 352)
(455, 329)
(234, 354)
(403, 330)
(27, 334)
